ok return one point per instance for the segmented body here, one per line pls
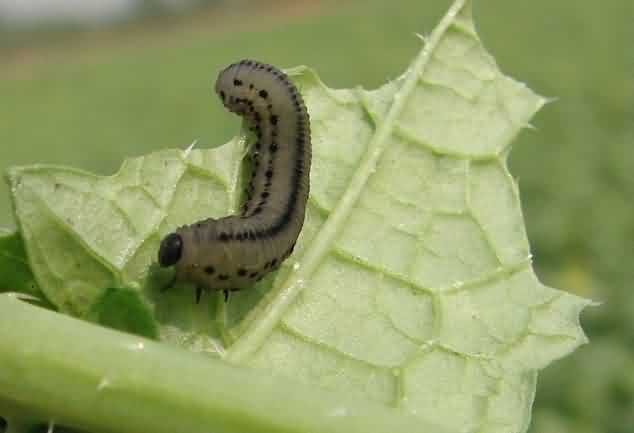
(235, 251)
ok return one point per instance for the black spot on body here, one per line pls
(237, 82)
(209, 270)
(242, 272)
(223, 277)
(263, 94)
(274, 119)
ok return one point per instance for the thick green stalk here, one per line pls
(99, 380)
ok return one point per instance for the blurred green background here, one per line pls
(91, 95)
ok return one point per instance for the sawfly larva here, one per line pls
(234, 252)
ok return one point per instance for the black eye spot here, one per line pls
(273, 147)
(209, 270)
(237, 83)
(242, 272)
(171, 250)
(263, 94)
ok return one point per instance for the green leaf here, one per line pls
(15, 272)
(411, 286)
(124, 310)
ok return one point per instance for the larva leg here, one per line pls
(226, 293)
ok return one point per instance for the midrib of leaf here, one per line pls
(262, 326)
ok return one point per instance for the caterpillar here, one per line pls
(233, 252)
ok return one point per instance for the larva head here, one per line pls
(171, 250)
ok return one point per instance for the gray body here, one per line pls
(235, 251)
